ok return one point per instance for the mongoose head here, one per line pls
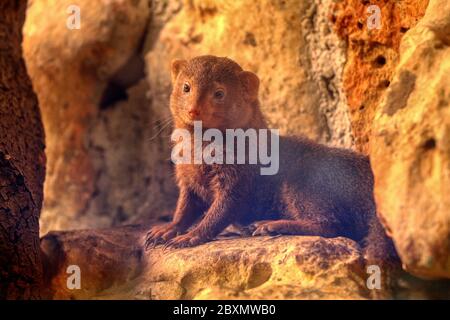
(214, 90)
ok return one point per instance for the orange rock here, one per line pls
(372, 55)
(410, 147)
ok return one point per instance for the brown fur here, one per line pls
(318, 190)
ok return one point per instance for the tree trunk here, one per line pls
(22, 163)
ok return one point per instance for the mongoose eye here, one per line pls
(186, 88)
(219, 94)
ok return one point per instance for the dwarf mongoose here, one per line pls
(318, 190)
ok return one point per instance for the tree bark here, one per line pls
(22, 163)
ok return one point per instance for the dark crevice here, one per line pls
(385, 84)
(430, 144)
(127, 76)
(380, 61)
(112, 94)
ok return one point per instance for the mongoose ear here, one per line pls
(177, 65)
(250, 82)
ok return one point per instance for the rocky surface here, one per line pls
(22, 163)
(113, 266)
(372, 55)
(411, 147)
(102, 164)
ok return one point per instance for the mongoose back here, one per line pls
(318, 190)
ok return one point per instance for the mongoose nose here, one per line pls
(193, 112)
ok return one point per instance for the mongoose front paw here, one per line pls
(189, 239)
(161, 234)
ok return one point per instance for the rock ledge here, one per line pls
(114, 266)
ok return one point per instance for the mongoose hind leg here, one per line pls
(296, 227)
(304, 216)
